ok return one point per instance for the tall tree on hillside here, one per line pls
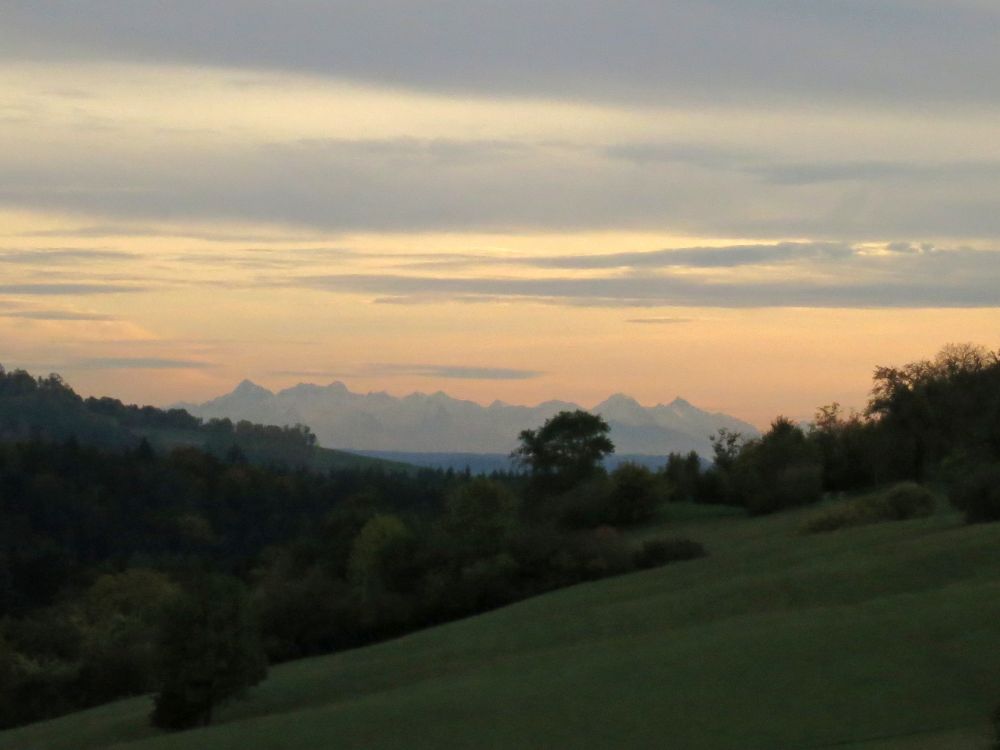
(568, 448)
(209, 651)
(933, 409)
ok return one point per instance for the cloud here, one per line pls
(483, 299)
(67, 315)
(385, 369)
(628, 50)
(59, 289)
(62, 255)
(405, 185)
(428, 150)
(813, 173)
(334, 186)
(848, 277)
(644, 153)
(659, 321)
(182, 232)
(457, 372)
(702, 257)
(138, 363)
(271, 258)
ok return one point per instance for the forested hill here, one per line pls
(46, 408)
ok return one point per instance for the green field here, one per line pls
(885, 636)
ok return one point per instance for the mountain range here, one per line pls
(437, 422)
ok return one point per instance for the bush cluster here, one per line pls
(978, 494)
(898, 503)
(656, 552)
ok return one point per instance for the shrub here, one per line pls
(800, 484)
(304, 612)
(381, 555)
(905, 500)
(978, 496)
(588, 505)
(209, 651)
(635, 494)
(899, 503)
(598, 553)
(656, 552)
(480, 517)
(490, 581)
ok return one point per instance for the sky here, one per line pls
(747, 204)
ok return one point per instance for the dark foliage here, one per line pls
(898, 503)
(635, 495)
(48, 409)
(565, 450)
(96, 539)
(978, 494)
(683, 475)
(208, 651)
(928, 421)
(779, 470)
(930, 411)
(657, 552)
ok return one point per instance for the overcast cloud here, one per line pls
(837, 123)
(789, 275)
(450, 185)
(911, 52)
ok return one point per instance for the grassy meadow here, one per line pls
(881, 636)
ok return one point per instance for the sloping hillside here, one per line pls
(877, 637)
(49, 409)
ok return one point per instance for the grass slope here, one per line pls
(877, 637)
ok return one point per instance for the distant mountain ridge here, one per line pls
(437, 422)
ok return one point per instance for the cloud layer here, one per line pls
(527, 199)
(898, 275)
(906, 51)
(482, 186)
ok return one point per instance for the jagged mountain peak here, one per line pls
(312, 389)
(618, 400)
(247, 387)
(438, 422)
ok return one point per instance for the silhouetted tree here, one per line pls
(209, 651)
(778, 470)
(635, 494)
(479, 518)
(380, 555)
(566, 449)
(683, 476)
(932, 410)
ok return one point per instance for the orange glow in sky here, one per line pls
(167, 230)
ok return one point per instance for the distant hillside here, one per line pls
(438, 423)
(33, 408)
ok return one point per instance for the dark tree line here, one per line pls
(131, 570)
(47, 409)
(119, 560)
(933, 421)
